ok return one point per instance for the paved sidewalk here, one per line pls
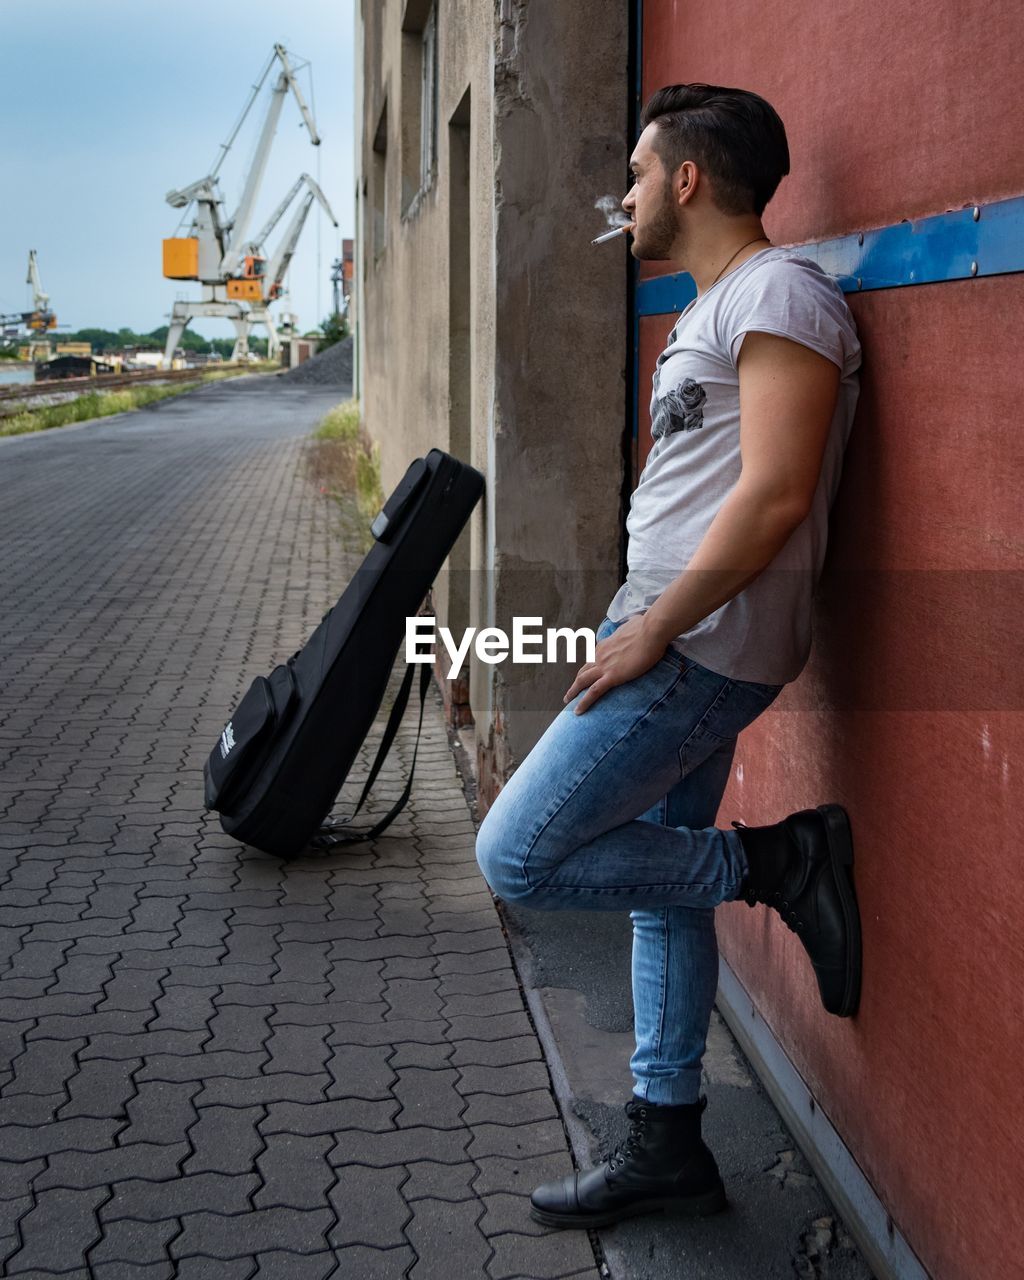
(214, 1063)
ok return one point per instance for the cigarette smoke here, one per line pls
(611, 207)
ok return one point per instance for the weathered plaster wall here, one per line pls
(547, 136)
(406, 393)
(560, 143)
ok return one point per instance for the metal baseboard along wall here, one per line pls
(883, 1246)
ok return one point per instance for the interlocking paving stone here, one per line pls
(11, 1213)
(388, 1033)
(131, 989)
(420, 1055)
(144, 1044)
(408, 967)
(297, 1048)
(30, 1108)
(498, 1026)
(362, 1071)
(295, 1172)
(496, 958)
(329, 1117)
(249, 993)
(212, 1234)
(239, 1091)
(518, 1174)
(429, 1180)
(542, 1257)
(58, 1231)
(428, 1097)
(224, 1140)
(517, 1108)
(217, 1064)
(45, 1066)
(238, 1025)
(522, 1077)
(357, 981)
(279, 1265)
(164, 1270)
(145, 1201)
(134, 1241)
(413, 998)
(441, 1231)
(85, 1169)
(198, 1066)
(370, 1207)
(100, 1089)
(357, 1012)
(537, 1138)
(374, 1264)
(506, 1212)
(492, 1002)
(401, 1146)
(462, 921)
(25, 1142)
(199, 1268)
(161, 1112)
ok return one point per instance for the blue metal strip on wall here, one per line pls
(983, 240)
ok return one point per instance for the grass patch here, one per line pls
(101, 404)
(341, 423)
(345, 465)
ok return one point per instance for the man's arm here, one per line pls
(787, 399)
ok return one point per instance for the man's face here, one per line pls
(650, 205)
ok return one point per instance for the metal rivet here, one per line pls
(911, 275)
(860, 283)
(974, 268)
(860, 237)
(976, 214)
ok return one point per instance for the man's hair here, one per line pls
(733, 135)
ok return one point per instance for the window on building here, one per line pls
(428, 101)
(380, 186)
(419, 100)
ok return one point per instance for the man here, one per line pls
(752, 404)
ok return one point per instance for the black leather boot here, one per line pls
(802, 867)
(662, 1164)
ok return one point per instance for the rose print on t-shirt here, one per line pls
(681, 409)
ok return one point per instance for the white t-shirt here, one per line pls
(764, 633)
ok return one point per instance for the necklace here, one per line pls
(733, 258)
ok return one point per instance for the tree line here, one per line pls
(103, 340)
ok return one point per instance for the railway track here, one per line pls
(103, 381)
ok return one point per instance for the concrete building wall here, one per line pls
(410, 401)
(489, 325)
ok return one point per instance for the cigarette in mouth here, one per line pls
(610, 235)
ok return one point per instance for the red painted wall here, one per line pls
(909, 713)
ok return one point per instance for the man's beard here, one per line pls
(660, 234)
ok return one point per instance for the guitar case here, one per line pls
(280, 761)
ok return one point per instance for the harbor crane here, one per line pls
(40, 318)
(238, 282)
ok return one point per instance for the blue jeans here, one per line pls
(613, 810)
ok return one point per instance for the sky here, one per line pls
(112, 104)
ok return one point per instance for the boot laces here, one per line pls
(634, 1140)
(752, 896)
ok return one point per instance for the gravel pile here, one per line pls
(330, 368)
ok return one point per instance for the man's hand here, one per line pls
(627, 653)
